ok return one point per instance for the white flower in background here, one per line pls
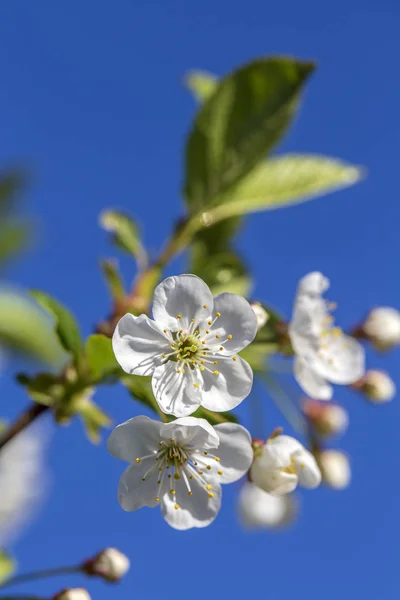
(258, 509)
(261, 314)
(179, 466)
(327, 418)
(73, 594)
(283, 463)
(324, 354)
(110, 564)
(190, 347)
(335, 469)
(23, 481)
(382, 327)
(377, 386)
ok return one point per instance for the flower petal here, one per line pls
(234, 450)
(260, 509)
(184, 295)
(227, 389)
(307, 469)
(190, 430)
(138, 344)
(313, 284)
(273, 481)
(313, 384)
(196, 510)
(133, 492)
(237, 319)
(342, 360)
(134, 438)
(175, 392)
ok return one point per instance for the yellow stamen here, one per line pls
(138, 460)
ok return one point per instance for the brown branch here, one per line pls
(25, 419)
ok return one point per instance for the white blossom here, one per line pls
(258, 509)
(382, 327)
(282, 464)
(323, 353)
(327, 418)
(335, 469)
(111, 564)
(23, 480)
(377, 386)
(190, 348)
(261, 314)
(179, 466)
(73, 594)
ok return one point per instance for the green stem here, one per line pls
(283, 402)
(32, 576)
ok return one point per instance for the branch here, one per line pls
(24, 577)
(26, 418)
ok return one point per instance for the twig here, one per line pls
(34, 575)
(26, 418)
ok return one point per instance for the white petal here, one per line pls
(273, 481)
(313, 284)
(175, 392)
(133, 492)
(260, 509)
(234, 450)
(237, 319)
(312, 384)
(308, 322)
(184, 295)
(138, 344)
(227, 389)
(307, 469)
(277, 452)
(190, 430)
(134, 438)
(342, 361)
(197, 510)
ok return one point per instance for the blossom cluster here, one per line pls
(191, 351)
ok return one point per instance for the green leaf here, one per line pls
(25, 329)
(113, 278)
(286, 180)
(43, 388)
(100, 358)
(66, 326)
(125, 233)
(14, 237)
(7, 566)
(201, 84)
(240, 123)
(140, 388)
(224, 272)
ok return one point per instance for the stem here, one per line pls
(283, 402)
(24, 577)
(26, 418)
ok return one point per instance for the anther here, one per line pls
(208, 467)
(203, 342)
(234, 357)
(157, 499)
(200, 472)
(215, 362)
(196, 385)
(164, 355)
(216, 372)
(221, 348)
(177, 476)
(204, 305)
(176, 506)
(172, 492)
(164, 330)
(207, 331)
(217, 336)
(190, 493)
(229, 337)
(201, 368)
(211, 495)
(209, 486)
(218, 314)
(138, 460)
(179, 316)
(209, 322)
(220, 472)
(217, 458)
(205, 452)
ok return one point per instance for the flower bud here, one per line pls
(327, 419)
(377, 386)
(72, 594)
(110, 564)
(335, 469)
(261, 314)
(258, 509)
(382, 327)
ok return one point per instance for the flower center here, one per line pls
(175, 462)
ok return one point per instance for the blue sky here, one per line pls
(91, 100)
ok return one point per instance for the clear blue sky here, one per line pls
(91, 100)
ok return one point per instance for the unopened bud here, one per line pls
(258, 509)
(335, 469)
(327, 419)
(261, 314)
(110, 564)
(377, 386)
(382, 327)
(72, 594)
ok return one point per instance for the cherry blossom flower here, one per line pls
(335, 469)
(382, 327)
(328, 419)
(72, 594)
(324, 354)
(377, 386)
(179, 466)
(282, 464)
(261, 314)
(110, 564)
(190, 348)
(260, 510)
